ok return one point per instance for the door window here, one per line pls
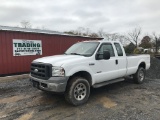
(119, 49)
(105, 47)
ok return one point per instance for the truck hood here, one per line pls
(59, 60)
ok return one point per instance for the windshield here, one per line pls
(82, 48)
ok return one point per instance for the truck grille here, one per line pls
(41, 70)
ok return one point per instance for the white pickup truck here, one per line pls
(84, 65)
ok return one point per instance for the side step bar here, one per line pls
(107, 82)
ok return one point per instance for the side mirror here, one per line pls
(106, 55)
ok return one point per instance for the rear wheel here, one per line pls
(78, 91)
(139, 76)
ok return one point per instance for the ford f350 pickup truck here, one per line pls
(84, 65)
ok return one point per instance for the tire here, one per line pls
(139, 76)
(78, 91)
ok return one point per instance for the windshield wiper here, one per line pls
(75, 54)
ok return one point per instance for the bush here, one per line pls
(129, 49)
(137, 51)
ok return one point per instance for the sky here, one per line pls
(113, 16)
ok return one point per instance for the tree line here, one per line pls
(131, 40)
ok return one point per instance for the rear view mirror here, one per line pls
(106, 55)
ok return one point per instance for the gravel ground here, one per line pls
(120, 101)
(154, 71)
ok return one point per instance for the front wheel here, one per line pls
(78, 91)
(139, 76)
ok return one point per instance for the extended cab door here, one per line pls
(105, 69)
(121, 59)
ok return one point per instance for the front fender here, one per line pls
(78, 69)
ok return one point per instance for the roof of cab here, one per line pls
(102, 41)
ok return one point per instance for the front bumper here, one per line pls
(53, 84)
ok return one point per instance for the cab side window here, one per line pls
(119, 49)
(105, 47)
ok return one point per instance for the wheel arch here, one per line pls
(142, 64)
(83, 74)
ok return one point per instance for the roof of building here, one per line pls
(30, 30)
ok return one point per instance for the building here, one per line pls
(20, 46)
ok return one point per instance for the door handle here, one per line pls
(91, 64)
(116, 62)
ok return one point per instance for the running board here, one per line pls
(97, 85)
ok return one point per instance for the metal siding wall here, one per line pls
(4, 54)
(51, 45)
(1, 53)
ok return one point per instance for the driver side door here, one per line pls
(105, 69)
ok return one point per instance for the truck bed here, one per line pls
(134, 60)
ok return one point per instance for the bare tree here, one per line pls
(80, 30)
(116, 37)
(156, 39)
(87, 31)
(94, 35)
(111, 37)
(101, 32)
(25, 24)
(134, 35)
(123, 39)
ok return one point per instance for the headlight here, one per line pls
(58, 71)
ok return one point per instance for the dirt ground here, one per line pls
(120, 101)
